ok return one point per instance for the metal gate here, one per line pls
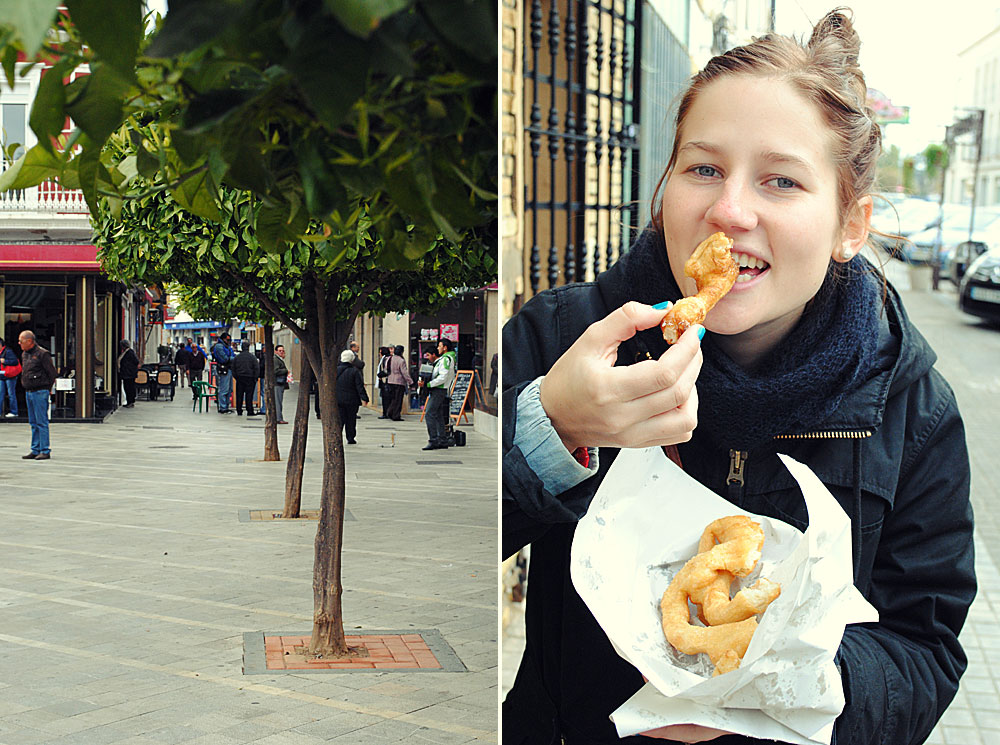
(581, 137)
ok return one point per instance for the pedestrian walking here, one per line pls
(398, 382)
(128, 369)
(436, 409)
(38, 374)
(196, 364)
(350, 394)
(246, 370)
(223, 355)
(182, 358)
(356, 348)
(10, 368)
(381, 375)
(810, 354)
(280, 381)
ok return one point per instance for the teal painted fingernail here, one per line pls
(662, 306)
(701, 333)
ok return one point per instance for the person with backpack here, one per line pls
(223, 355)
(10, 368)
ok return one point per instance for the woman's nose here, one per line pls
(732, 208)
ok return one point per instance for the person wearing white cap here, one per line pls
(350, 393)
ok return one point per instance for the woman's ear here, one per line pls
(855, 231)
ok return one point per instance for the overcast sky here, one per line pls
(909, 51)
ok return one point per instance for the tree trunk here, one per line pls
(328, 626)
(297, 451)
(267, 391)
(328, 616)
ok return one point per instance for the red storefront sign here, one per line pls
(48, 257)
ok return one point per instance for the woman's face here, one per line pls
(755, 161)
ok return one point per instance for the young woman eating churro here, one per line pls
(810, 353)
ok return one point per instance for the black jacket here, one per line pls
(37, 371)
(129, 365)
(246, 365)
(350, 387)
(904, 482)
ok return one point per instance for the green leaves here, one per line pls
(113, 29)
(32, 168)
(30, 19)
(95, 102)
(362, 17)
(197, 194)
(324, 46)
(47, 116)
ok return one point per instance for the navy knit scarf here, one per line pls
(799, 384)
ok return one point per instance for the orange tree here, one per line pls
(316, 288)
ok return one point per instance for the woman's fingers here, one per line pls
(668, 398)
(643, 378)
(602, 338)
(669, 428)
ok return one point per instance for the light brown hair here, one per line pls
(826, 72)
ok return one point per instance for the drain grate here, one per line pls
(167, 447)
(438, 462)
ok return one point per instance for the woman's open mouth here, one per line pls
(750, 267)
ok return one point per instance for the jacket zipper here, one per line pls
(847, 434)
(735, 481)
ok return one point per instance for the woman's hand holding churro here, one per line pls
(592, 403)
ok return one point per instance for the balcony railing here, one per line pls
(47, 197)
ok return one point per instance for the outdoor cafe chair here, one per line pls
(142, 383)
(165, 380)
(203, 392)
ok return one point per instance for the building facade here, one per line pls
(979, 86)
(50, 280)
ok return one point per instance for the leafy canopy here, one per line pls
(311, 107)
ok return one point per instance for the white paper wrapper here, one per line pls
(642, 526)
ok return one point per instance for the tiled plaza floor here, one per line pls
(128, 581)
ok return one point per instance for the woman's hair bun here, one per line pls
(836, 29)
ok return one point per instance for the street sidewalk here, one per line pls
(127, 582)
(974, 716)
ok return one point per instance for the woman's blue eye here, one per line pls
(707, 171)
(784, 183)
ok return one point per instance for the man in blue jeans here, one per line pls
(223, 355)
(38, 374)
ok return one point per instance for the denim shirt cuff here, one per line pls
(542, 448)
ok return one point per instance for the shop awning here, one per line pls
(193, 325)
(49, 257)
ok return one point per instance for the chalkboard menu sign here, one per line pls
(460, 392)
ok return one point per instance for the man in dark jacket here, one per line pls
(350, 393)
(182, 358)
(38, 374)
(196, 364)
(128, 368)
(246, 369)
(280, 381)
(223, 355)
(882, 454)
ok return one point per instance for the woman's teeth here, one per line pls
(750, 266)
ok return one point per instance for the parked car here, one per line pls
(927, 245)
(979, 290)
(968, 251)
(903, 217)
